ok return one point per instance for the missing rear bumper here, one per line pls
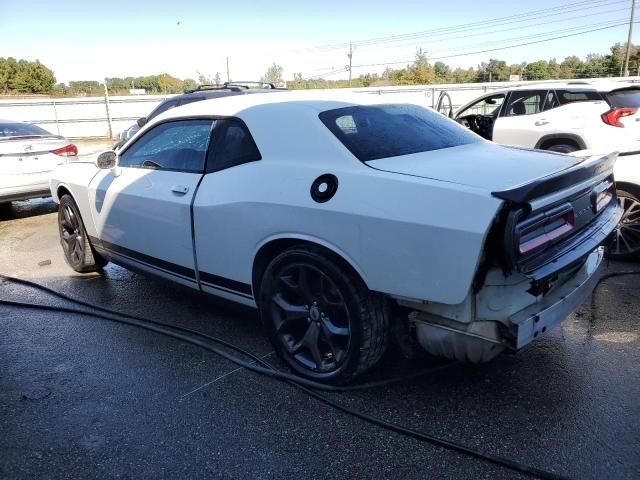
(559, 304)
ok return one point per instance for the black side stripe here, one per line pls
(215, 281)
(227, 283)
(141, 257)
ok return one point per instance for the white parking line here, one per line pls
(222, 376)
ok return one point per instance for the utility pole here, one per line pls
(350, 55)
(228, 77)
(106, 104)
(628, 53)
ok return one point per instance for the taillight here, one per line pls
(613, 116)
(66, 151)
(543, 229)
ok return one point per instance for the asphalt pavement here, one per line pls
(87, 398)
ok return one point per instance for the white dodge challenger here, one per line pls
(345, 222)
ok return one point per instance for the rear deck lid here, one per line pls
(482, 164)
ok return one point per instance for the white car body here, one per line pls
(27, 159)
(416, 228)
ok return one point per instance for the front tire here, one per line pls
(322, 320)
(625, 243)
(76, 246)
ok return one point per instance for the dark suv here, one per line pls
(203, 92)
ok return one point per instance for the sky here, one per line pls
(82, 40)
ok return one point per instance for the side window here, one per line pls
(178, 145)
(525, 103)
(488, 106)
(551, 101)
(234, 146)
(570, 96)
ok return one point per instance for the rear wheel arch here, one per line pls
(632, 188)
(555, 139)
(272, 248)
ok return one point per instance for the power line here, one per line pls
(494, 49)
(491, 23)
(492, 32)
(616, 21)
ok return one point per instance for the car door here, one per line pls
(224, 242)
(142, 208)
(480, 116)
(524, 120)
(444, 106)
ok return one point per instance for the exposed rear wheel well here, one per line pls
(272, 249)
(551, 142)
(631, 188)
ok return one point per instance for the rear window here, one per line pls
(624, 98)
(570, 96)
(16, 129)
(382, 131)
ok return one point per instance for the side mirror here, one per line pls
(141, 121)
(107, 160)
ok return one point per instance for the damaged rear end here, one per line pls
(541, 260)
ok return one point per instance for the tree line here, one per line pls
(424, 72)
(32, 77)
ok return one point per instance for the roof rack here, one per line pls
(245, 84)
(236, 86)
(213, 86)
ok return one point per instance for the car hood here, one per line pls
(483, 164)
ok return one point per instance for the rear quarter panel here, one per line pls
(406, 236)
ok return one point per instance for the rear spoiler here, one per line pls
(30, 137)
(585, 169)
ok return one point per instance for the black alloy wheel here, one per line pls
(321, 319)
(77, 249)
(626, 237)
(71, 235)
(311, 318)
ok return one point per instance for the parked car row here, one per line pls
(347, 223)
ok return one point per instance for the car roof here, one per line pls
(238, 105)
(595, 85)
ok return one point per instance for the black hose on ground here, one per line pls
(186, 335)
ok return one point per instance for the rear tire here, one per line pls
(562, 148)
(321, 319)
(625, 244)
(78, 251)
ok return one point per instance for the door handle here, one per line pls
(540, 123)
(180, 189)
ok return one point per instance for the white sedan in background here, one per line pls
(28, 155)
(345, 223)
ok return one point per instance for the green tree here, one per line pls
(189, 84)
(571, 67)
(32, 77)
(420, 73)
(442, 72)
(273, 74)
(537, 71)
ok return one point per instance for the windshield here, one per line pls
(382, 131)
(624, 98)
(16, 129)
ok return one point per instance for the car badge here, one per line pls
(28, 148)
